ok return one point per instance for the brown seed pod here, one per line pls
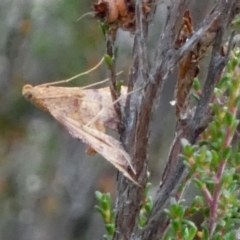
(106, 10)
(122, 7)
(119, 13)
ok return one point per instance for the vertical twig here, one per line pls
(135, 135)
(110, 47)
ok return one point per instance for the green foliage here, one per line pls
(119, 86)
(179, 225)
(109, 61)
(213, 164)
(197, 88)
(108, 215)
(105, 29)
(146, 207)
(236, 25)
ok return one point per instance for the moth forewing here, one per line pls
(105, 145)
(85, 113)
(112, 142)
(84, 104)
(106, 112)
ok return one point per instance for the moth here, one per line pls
(85, 113)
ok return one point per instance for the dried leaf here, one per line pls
(105, 145)
(118, 13)
(189, 66)
(188, 69)
(106, 10)
(85, 113)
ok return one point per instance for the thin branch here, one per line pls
(155, 226)
(222, 166)
(134, 139)
(166, 54)
(216, 66)
(110, 46)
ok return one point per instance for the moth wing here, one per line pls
(109, 141)
(101, 143)
(99, 103)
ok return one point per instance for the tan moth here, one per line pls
(85, 113)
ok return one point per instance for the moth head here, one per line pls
(30, 93)
(27, 91)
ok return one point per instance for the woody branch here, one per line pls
(110, 47)
(139, 107)
(137, 117)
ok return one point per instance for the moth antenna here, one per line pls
(95, 118)
(98, 83)
(85, 15)
(74, 77)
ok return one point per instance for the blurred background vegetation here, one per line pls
(47, 182)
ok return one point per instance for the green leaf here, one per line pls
(205, 233)
(176, 224)
(231, 235)
(148, 207)
(105, 205)
(192, 233)
(119, 86)
(98, 196)
(215, 157)
(180, 211)
(109, 61)
(108, 197)
(105, 29)
(142, 218)
(196, 84)
(195, 96)
(101, 211)
(185, 233)
(110, 229)
(227, 153)
(168, 212)
(188, 150)
(222, 222)
(236, 101)
(147, 188)
(199, 183)
(233, 64)
(189, 166)
(229, 118)
(113, 215)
